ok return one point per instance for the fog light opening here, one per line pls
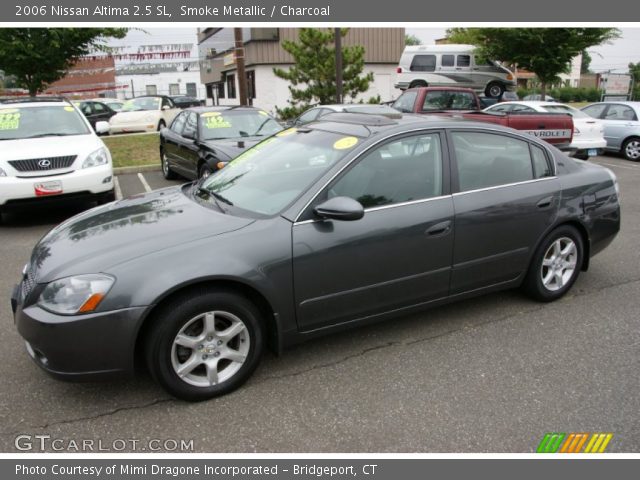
(107, 179)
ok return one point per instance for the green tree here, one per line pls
(312, 77)
(547, 52)
(411, 40)
(585, 66)
(37, 57)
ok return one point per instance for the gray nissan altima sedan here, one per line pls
(349, 220)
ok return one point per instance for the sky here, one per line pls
(615, 56)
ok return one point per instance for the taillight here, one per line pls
(399, 70)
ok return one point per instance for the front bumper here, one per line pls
(133, 127)
(79, 347)
(93, 180)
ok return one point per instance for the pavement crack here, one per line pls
(108, 413)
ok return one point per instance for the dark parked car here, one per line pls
(95, 111)
(347, 221)
(319, 111)
(201, 140)
(183, 101)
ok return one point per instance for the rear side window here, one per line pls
(541, 166)
(444, 100)
(464, 60)
(595, 110)
(423, 63)
(488, 160)
(447, 60)
(406, 102)
(620, 112)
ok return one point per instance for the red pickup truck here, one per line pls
(557, 129)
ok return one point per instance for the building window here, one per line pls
(251, 84)
(174, 89)
(151, 90)
(231, 86)
(192, 90)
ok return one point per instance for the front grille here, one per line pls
(28, 281)
(42, 164)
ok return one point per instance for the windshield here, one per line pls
(142, 103)
(268, 177)
(41, 121)
(235, 124)
(574, 112)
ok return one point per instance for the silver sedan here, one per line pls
(621, 126)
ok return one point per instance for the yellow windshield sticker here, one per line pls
(286, 132)
(344, 143)
(9, 121)
(210, 114)
(217, 122)
(69, 109)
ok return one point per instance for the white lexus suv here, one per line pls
(49, 150)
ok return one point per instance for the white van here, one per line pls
(452, 65)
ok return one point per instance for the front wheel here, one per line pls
(494, 90)
(631, 149)
(556, 265)
(205, 344)
(161, 125)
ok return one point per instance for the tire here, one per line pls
(107, 197)
(167, 173)
(161, 125)
(204, 364)
(631, 149)
(205, 171)
(581, 156)
(418, 84)
(494, 90)
(540, 282)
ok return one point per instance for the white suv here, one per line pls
(48, 149)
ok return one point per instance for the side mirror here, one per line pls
(340, 208)
(166, 107)
(189, 134)
(102, 127)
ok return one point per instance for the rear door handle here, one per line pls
(545, 202)
(439, 228)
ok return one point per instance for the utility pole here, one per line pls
(338, 44)
(242, 76)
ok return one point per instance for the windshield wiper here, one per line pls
(221, 198)
(215, 196)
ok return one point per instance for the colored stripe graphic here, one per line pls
(554, 442)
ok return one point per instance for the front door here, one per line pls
(397, 255)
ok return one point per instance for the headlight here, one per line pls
(99, 157)
(79, 294)
(3, 173)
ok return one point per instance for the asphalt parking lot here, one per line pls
(492, 374)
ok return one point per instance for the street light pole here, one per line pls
(242, 76)
(338, 44)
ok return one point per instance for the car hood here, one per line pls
(100, 238)
(132, 117)
(230, 147)
(80, 145)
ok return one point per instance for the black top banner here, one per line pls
(317, 11)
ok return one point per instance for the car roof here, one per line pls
(222, 108)
(32, 101)
(7, 105)
(622, 102)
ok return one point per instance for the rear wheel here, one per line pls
(205, 344)
(556, 265)
(631, 149)
(166, 169)
(494, 90)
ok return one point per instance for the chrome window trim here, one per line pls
(535, 180)
(433, 129)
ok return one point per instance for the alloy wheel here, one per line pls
(559, 264)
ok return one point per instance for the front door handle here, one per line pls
(439, 228)
(545, 202)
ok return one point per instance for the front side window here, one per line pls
(423, 63)
(178, 123)
(308, 116)
(400, 171)
(43, 121)
(190, 126)
(237, 124)
(487, 160)
(405, 102)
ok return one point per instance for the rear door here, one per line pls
(619, 120)
(505, 197)
(397, 255)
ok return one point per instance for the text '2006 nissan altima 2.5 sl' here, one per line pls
(348, 220)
